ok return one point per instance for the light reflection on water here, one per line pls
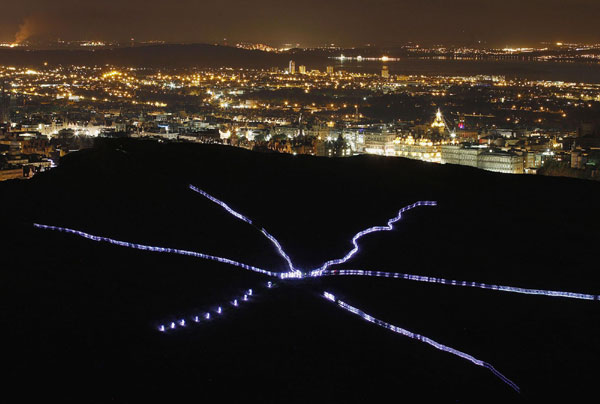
(554, 71)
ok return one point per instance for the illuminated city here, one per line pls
(521, 125)
(300, 202)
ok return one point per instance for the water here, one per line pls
(522, 69)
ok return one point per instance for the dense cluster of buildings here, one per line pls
(487, 122)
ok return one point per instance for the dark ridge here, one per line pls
(80, 317)
(164, 56)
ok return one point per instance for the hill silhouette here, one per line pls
(81, 316)
(161, 56)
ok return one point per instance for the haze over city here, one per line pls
(308, 23)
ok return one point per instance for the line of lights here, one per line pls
(419, 337)
(429, 279)
(322, 271)
(317, 272)
(221, 203)
(206, 316)
(293, 273)
(160, 249)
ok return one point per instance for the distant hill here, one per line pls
(170, 55)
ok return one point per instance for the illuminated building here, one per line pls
(355, 139)
(439, 123)
(329, 69)
(287, 131)
(292, 67)
(421, 149)
(302, 69)
(501, 162)
(385, 72)
(483, 158)
(381, 144)
(577, 159)
(457, 154)
(334, 148)
(4, 104)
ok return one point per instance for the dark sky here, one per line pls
(308, 22)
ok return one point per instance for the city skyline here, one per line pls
(509, 23)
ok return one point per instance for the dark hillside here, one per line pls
(80, 317)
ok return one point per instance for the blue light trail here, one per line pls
(419, 337)
(196, 318)
(159, 249)
(293, 272)
(389, 227)
(222, 204)
(450, 282)
(296, 274)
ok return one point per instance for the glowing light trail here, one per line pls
(317, 272)
(160, 249)
(419, 337)
(450, 282)
(207, 316)
(221, 203)
(294, 273)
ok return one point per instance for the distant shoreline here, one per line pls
(212, 56)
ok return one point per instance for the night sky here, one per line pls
(308, 22)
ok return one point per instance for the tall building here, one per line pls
(292, 68)
(385, 72)
(4, 104)
(329, 69)
(438, 123)
(302, 69)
